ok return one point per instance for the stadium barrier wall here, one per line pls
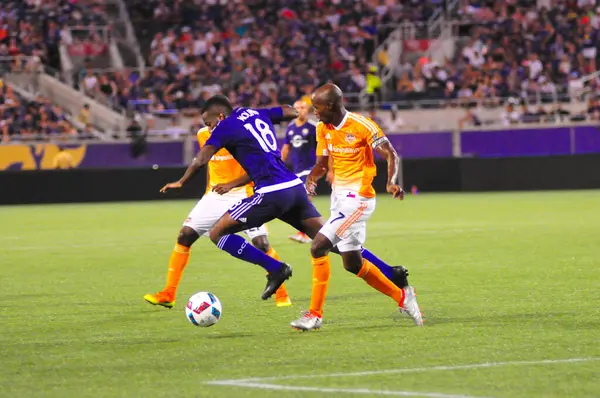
(429, 175)
(500, 142)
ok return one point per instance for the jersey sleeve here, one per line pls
(202, 136)
(375, 135)
(274, 114)
(219, 136)
(322, 149)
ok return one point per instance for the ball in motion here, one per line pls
(203, 309)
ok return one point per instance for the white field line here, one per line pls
(406, 370)
(279, 387)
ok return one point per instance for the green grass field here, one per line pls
(509, 285)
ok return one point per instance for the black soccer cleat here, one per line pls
(275, 280)
(400, 276)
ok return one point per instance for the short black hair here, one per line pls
(220, 101)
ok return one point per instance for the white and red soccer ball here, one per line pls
(203, 309)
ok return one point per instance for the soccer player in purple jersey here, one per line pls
(248, 134)
(301, 147)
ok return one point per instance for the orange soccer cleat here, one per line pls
(161, 298)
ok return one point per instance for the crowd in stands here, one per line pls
(37, 119)
(515, 51)
(30, 35)
(257, 52)
(264, 52)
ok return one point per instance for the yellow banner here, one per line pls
(36, 156)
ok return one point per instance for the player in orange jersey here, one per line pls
(349, 139)
(223, 170)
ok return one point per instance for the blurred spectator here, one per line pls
(469, 119)
(373, 85)
(510, 115)
(593, 109)
(138, 146)
(84, 116)
(527, 116)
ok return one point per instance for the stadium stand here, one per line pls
(508, 50)
(511, 56)
(257, 52)
(30, 36)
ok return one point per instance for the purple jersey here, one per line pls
(248, 134)
(303, 146)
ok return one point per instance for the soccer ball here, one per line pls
(203, 309)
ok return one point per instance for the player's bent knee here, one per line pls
(319, 248)
(262, 244)
(214, 235)
(187, 236)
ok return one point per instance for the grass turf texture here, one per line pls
(500, 277)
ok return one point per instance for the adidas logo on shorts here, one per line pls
(243, 219)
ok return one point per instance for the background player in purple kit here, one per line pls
(248, 134)
(300, 147)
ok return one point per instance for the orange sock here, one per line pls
(282, 291)
(320, 282)
(177, 263)
(373, 276)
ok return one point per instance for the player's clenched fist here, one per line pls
(171, 185)
(396, 191)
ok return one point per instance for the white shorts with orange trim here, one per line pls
(211, 207)
(347, 225)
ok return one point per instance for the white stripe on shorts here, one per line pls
(247, 206)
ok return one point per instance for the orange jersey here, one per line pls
(350, 146)
(222, 167)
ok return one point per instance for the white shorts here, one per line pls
(211, 207)
(347, 225)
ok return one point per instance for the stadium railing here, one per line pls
(128, 43)
(43, 80)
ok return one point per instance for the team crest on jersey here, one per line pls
(304, 131)
(350, 138)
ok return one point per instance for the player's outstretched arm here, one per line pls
(387, 151)
(289, 113)
(317, 172)
(201, 160)
(222, 189)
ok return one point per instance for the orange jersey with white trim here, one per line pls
(350, 146)
(222, 167)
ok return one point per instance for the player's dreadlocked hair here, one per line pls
(218, 101)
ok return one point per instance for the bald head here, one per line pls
(328, 93)
(328, 101)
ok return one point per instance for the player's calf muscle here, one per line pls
(352, 261)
